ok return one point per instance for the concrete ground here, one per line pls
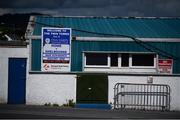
(42, 112)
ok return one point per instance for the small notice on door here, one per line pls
(165, 66)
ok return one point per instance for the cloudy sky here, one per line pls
(138, 8)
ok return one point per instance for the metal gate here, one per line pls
(142, 96)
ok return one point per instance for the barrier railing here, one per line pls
(141, 96)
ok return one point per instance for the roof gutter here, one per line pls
(121, 39)
(125, 39)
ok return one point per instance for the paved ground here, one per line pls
(42, 112)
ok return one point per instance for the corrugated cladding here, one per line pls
(36, 55)
(78, 47)
(136, 27)
(141, 28)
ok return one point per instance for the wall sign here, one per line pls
(165, 66)
(56, 49)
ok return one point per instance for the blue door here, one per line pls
(17, 81)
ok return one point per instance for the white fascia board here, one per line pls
(33, 37)
(159, 39)
(116, 39)
(127, 39)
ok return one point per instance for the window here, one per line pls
(124, 60)
(120, 60)
(98, 59)
(114, 59)
(143, 59)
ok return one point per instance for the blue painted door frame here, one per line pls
(17, 81)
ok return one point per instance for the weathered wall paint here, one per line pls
(6, 53)
(50, 88)
(173, 82)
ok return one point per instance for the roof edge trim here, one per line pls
(122, 39)
(108, 17)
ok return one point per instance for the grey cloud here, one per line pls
(53, 3)
(96, 7)
(18, 4)
(5, 11)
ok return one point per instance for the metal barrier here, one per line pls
(141, 96)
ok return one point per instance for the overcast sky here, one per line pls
(136, 8)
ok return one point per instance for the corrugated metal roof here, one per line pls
(135, 27)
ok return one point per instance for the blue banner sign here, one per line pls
(56, 49)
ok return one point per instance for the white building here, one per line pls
(84, 62)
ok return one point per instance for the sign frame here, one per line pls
(165, 65)
(61, 67)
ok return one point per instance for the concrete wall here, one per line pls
(59, 88)
(40, 88)
(173, 82)
(122, 70)
(50, 88)
(5, 53)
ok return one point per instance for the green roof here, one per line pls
(99, 26)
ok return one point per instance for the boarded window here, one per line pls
(96, 59)
(125, 60)
(143, 59)
(114, 59)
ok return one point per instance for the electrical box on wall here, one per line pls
(150, 80)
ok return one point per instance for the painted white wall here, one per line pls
(50, 88)
(58, 88)
(5, 53)
(173, 82)
(121, 70)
